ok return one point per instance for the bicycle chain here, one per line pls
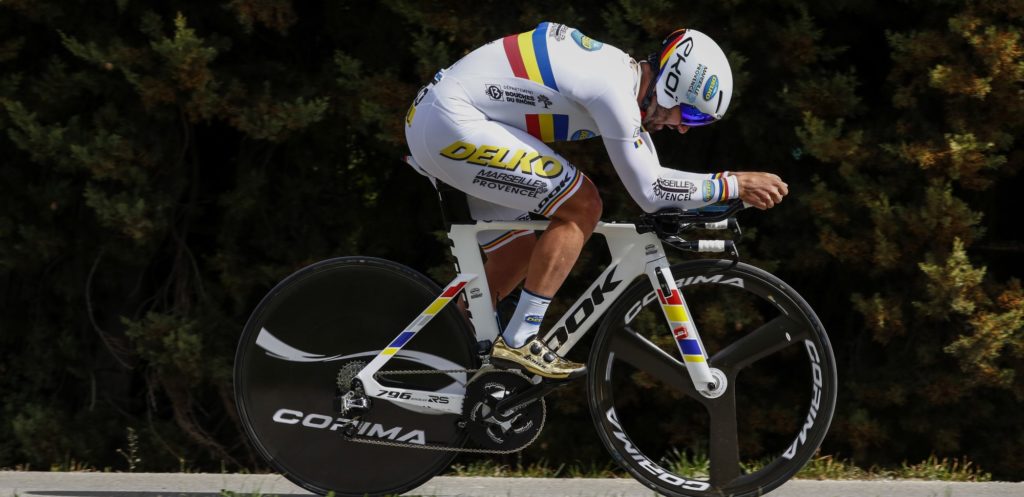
(445, 448)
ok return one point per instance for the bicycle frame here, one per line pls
(632, 253)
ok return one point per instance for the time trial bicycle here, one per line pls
(360, 376)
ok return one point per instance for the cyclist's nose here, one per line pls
(671, 117)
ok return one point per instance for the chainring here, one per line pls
(511, 429)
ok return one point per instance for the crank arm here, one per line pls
(526, 396)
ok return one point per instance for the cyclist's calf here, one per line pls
(560, 246)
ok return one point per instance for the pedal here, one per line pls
(483, 347)
(532, 393)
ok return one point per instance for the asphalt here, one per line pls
(39, 484)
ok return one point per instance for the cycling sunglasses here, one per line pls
(690, 116)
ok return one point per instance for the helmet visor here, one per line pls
(690, 116)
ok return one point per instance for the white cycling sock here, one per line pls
(525, 322)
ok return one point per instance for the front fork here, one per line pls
(673, 305)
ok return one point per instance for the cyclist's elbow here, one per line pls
(648, 203)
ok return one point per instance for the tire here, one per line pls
(311, 324)
(769, 422)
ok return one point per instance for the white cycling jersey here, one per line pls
(482, 125)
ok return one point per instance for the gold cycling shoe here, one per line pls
(536, 358)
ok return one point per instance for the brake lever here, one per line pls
(734, 225)
(734, 253)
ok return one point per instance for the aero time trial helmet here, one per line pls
(693, 74)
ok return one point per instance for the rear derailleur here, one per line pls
(350, 400)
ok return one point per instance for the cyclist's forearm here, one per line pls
(654, 187)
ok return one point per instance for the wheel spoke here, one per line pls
(724, 443)
(633, 348)
(774, 345)
(762, 342)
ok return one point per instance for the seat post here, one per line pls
(454, 205)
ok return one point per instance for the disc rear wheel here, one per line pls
(309, 331)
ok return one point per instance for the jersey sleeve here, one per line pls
(632, 153)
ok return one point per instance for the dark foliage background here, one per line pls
(165, 163)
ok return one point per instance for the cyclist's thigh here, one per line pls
(491, 240)
(493, 161)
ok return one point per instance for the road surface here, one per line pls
(40, 484)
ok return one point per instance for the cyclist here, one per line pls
(482, 126)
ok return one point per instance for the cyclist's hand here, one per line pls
(761, 190)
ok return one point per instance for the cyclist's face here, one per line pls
(659, 117)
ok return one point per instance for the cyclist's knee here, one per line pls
(584, 207)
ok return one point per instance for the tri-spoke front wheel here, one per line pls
(777, 407)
